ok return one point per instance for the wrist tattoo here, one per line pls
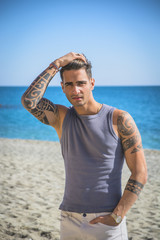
(134, 186)
(53, 65)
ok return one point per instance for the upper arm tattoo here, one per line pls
(39, 111)
(129, 133)
(134, 186)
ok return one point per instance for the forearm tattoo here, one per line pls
(37, 89)
(134, 186)
(33, 100)
(129, 133)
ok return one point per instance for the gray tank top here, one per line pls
(93, 159)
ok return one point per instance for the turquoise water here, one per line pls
(143, 103)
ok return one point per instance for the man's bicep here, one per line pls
(129, 133)
(46, 112)
(131, 142)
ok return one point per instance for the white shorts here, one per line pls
(76, 226)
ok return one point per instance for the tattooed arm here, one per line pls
(41, 108)
(126, 129)
(132, 145)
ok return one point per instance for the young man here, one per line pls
(94, 139)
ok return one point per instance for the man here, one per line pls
(94, 139)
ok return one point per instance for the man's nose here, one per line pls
(76, 90)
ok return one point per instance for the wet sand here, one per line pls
(32, 184)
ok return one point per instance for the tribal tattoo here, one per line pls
(134, 186)
(33, 100)
(129, 133)
(42, 106)
(37, 89)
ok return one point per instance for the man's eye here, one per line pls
(67, 84)
(81, 83)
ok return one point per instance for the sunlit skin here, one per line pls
(78, 89)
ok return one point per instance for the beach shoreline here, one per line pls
(32, 186)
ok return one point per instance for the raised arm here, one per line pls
(41, 108)
(33, 99)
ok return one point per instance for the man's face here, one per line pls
(77, 87)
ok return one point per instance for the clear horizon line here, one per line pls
(95, 86)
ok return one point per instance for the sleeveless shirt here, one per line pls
(93, 159)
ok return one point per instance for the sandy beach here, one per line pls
(31, 189)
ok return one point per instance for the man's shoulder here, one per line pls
(62, 110)
(120, 114)
(117, 115)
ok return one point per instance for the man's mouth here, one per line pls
(77, 97)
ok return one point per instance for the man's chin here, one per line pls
(76, 103)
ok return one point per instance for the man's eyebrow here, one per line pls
(81, 81)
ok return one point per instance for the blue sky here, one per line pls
(121, 38)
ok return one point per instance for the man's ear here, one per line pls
(62, 85)
(92, 83)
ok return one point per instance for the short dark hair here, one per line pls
(77, 64)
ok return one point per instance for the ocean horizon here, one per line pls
(142, 102)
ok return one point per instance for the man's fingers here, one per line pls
(80, 56)
(74, 55)
(66, 59)
(96, 220)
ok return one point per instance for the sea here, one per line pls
(143, 103)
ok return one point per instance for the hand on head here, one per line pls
(66, 59)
